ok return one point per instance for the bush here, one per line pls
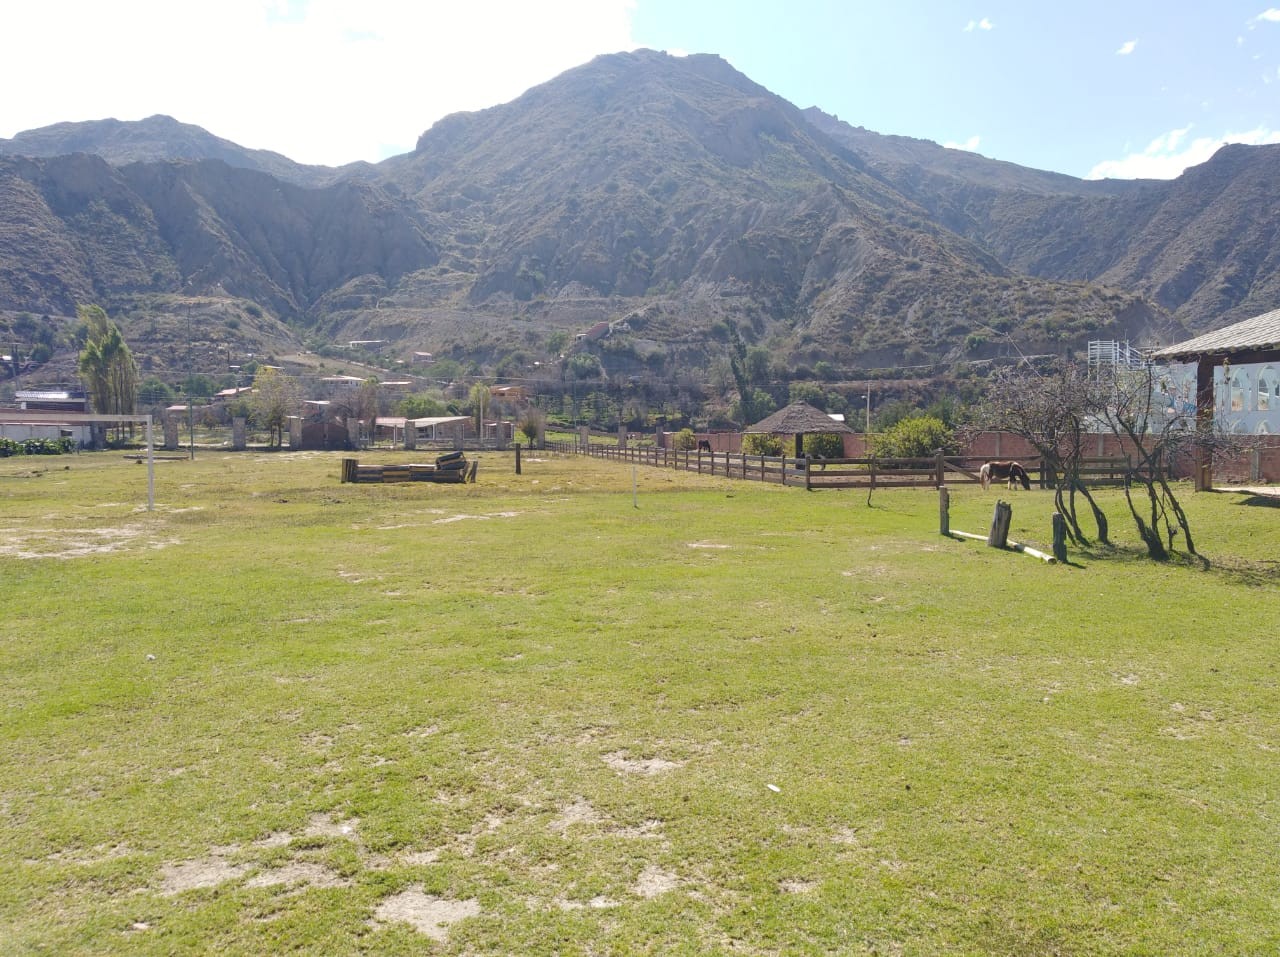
(685, 440)
(914, 437)
(10, 447)
(824, 445)
(762, 443)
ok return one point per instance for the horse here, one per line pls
(704, 445)
(1004, 470)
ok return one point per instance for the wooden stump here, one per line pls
(999, 535)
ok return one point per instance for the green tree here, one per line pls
(153, 392)
(532, 424)
(106, 364)
(420, 406)
(914, 437)
(276, 396)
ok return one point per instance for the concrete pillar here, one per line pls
(295, 431)
(170, 434)
(239, 431)
(410, 436)
(353, 432)
(622, 436)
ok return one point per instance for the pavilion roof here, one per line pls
(798, 418)
(1259, 334)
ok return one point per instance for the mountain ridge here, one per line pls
(662, 193)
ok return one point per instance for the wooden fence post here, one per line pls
(941, 470)
(517, 458)
(1059, 537)
(999, 535)
(944, 511)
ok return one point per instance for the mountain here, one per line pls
(1202, 246)
(665, 195)
(161, 138)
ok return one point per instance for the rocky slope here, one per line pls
(667, 193)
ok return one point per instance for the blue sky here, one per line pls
(1087, 88)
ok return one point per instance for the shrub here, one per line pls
(11, 447)
(914, 437)
(762, 443)
(824, 445)
(685, 440)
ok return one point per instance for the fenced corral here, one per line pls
(867, 472)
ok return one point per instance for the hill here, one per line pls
(159, 139)
(664, 195)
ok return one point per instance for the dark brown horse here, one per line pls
(1001, 471)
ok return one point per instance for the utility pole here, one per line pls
(191, 419)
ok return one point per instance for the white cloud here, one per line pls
(983, 24)
(322, 81)
(1169, 154)
(970, 145)
(1269, 16)
(1127, 47)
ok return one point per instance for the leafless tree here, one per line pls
(1050, 410)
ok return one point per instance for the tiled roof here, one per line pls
(1260, 332)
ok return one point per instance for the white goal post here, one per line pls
(85, 418)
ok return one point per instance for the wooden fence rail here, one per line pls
(811, 473)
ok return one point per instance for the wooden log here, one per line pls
(1028, 550)
(1010, 546)
(999, 536)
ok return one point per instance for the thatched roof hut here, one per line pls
(799, 419)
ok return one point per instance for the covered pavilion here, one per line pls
(1253, 340)
(799, 419)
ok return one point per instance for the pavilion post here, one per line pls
(1204, 423)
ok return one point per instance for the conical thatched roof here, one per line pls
(799, 418)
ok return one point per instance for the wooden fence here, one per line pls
(810, 473)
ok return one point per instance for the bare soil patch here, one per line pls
(192, 875)
(619, 761)
(653, 880)
(426, 913)
(299, 872)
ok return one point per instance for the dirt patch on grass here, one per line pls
(299, 872)
(596, 903)
(796, 886)
(78, 542)
(192, 875)
(653, 880)
(450, 519)
(327, 825)
(425, 913)
(579, 812)
(619, 761)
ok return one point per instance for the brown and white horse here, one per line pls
(1004, 470)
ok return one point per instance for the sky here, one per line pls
(1125, 89)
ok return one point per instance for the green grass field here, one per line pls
(281, 714)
